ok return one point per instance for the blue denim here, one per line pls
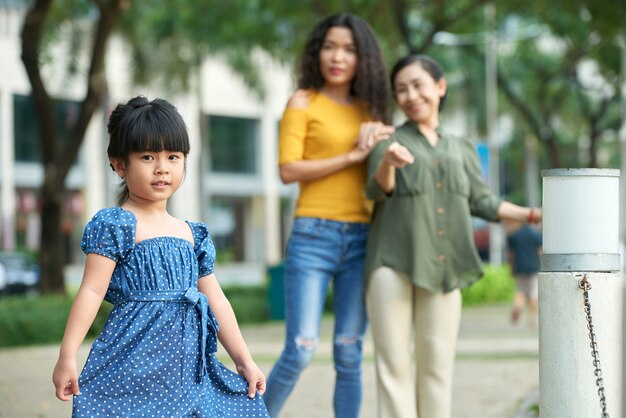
(320, 250)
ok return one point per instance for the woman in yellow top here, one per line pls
(328, 129)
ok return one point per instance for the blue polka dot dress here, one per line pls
(155, 356)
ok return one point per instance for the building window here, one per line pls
(233, 144)
(227, 227)
(26, 128)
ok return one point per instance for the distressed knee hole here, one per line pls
(307, 344)
(347, 340)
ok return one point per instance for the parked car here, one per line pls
(19, 273)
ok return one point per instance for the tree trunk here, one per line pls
(51, 251)
(58, 160)
(551, 143)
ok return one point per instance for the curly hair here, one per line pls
(370, 81)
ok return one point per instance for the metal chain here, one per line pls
(586, 286)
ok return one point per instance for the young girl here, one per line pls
(155, 355)
(420, 252)
(327, 131)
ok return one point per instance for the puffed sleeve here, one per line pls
(293, 128)
(111, 233)
(204, 248)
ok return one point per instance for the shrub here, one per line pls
(27, 320)
(496, 286)
(41, 320)
(249, 303)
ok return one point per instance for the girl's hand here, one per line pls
(398, 156)
(65, 379)
(255, 378)
(371, 133)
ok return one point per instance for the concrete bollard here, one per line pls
(580, 241)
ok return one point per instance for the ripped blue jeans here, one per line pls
(320, 250)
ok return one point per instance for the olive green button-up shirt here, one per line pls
(423, 227)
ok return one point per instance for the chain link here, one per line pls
(586, 286)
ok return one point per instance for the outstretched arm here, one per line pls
(511, 211)
(96, 277)
(230, 335)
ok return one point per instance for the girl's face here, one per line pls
(152, 176)
(338, 57)
(418, 94)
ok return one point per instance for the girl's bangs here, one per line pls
(151, 135)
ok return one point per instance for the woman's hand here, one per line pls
(398, 156)
(371, 133)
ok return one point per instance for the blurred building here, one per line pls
(232, 180)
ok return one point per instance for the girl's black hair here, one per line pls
(427, 63)
(370, 81)
(143, 125)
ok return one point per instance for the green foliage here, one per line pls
(170, 38)
(542, 48)
(39, 320)
(497, 285)
(249, 303)
(534, 409)
(224, 256)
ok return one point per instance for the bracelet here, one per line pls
(531, 216)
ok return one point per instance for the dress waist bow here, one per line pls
(192, 296)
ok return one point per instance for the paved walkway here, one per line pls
(496, 371)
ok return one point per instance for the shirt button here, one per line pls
(440, 210)
(442, 258)
(438, 185)
(441, 233)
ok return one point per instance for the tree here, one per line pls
(545, 91)
(563, 86)
(172, 36)
(58, 157)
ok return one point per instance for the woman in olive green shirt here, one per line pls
(426, 186)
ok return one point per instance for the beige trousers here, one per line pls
(408, 322)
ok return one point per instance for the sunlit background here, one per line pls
(535, 84)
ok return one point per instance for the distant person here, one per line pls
(156, 353)
(426, 185)
(524, 251)
(327, 130)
